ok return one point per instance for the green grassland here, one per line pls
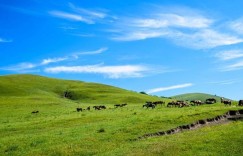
(197, 96)
(59, 130)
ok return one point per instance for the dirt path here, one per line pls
(231, 115)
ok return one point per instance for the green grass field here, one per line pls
(59, 130)
(197, 96)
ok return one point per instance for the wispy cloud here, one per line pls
(27, 66)
(186, 28)
(90, 13)
(5, 40)
(79, 14)
(232, 67)
(20, 67)
(229, 54)
(225, 82)
(83, 35)
(164, 20)
(169, 88)
(99, 51)
(53, 60)
(237, 26)
(139, 35)
(70, 16)
(204, 39)
(68, 28)
(122, 71)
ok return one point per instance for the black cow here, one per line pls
(159, 103)
(171, 104)
(124, 104)
(99, 107)
(79, 109)
(240, 103)
(149, 105)
(120, 105)
(34, 112)
(226, 102)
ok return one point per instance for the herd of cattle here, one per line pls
(100, 107)
(178, 103)
(152, 105)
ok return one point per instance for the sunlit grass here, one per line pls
(59, 130)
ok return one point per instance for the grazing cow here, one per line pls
(103, 107)
(88, 108)
(99, 107)
(79, 109)
(210, 101)
(184, 104)
(120, 105)
(226, 102)
(178, 103)
(240, 103)
(196, 102)
(34, 112)
(171, 104)
(158, 103)
(124, 104)
(149, 105)
(117, 105)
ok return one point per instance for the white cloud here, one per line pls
(4, 40)
(173, 20)
(71, 16)
(26, 66)
(237, 26)
(139, 35)
(186, 28)
(83, 35)
(236, 66)
(53, 60)
(99, 51)
(229, 54)
(201, 39)
(20, 67)
(91, 14)
(122, 71)
(169, 88)
(68, 28)
(204, 39)
(82, 15)
(225, 82)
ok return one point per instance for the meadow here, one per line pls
(59, 130)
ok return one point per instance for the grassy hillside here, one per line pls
(59, 130)
(83, 92)
(196, 96)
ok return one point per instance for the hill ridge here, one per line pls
(80, 91)
(197, 96)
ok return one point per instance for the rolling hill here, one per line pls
(24, 85)
(196, 96)
(58, 129)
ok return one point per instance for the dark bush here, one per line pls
(67, 94)
(143, 93)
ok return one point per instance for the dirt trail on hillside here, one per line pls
(231, 115)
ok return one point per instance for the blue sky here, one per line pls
(161, 47)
